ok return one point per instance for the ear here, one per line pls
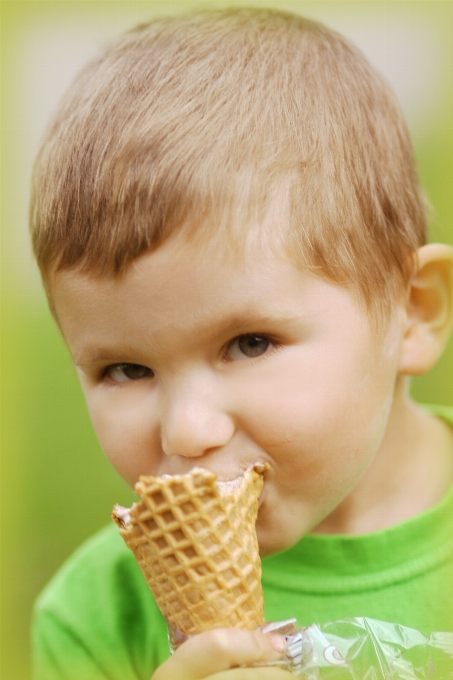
(429, 310)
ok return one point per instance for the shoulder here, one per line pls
(100, 564)
(98, 617)
(99, 587)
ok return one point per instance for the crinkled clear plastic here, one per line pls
(365, 649)
(360, 649)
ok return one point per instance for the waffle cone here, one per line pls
(197, 548)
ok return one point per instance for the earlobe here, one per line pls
(429, 310)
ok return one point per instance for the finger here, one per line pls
(219, 650)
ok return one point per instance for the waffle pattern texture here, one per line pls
(197, 548)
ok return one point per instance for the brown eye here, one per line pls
(126, 372)
(248, 347)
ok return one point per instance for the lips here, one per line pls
(227, 486)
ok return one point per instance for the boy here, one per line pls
(232, 236)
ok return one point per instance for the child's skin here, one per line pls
(194, 357)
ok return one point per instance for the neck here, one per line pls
(411, 472)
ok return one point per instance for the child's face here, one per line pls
(193, 359)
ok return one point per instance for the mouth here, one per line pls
(228, 486)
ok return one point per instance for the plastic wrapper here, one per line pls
(365, 649)
(360, 649)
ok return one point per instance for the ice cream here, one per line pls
(195, 542)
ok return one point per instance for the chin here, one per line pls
(277, 531)
(272, 542)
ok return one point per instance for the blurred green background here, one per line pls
(56, 487)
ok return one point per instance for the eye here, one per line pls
(126, 372)
(248, 347)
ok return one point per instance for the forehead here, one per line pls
(202, 274)
(198, 252)
(181, 296)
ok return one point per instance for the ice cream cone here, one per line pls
(195, 542)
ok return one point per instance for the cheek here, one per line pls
(124, 433)
(322, 414)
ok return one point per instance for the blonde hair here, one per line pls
(196, 121)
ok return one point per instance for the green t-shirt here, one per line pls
(97, 620)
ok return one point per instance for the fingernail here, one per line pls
(278, 643)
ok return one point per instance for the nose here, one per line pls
(193, 422)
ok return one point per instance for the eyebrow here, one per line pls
(121, 351)
(247, 322)
(101, 355)
(252, 318)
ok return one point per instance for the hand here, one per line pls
(219, 654)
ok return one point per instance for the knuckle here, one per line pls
(260, 643)
(221, 639)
